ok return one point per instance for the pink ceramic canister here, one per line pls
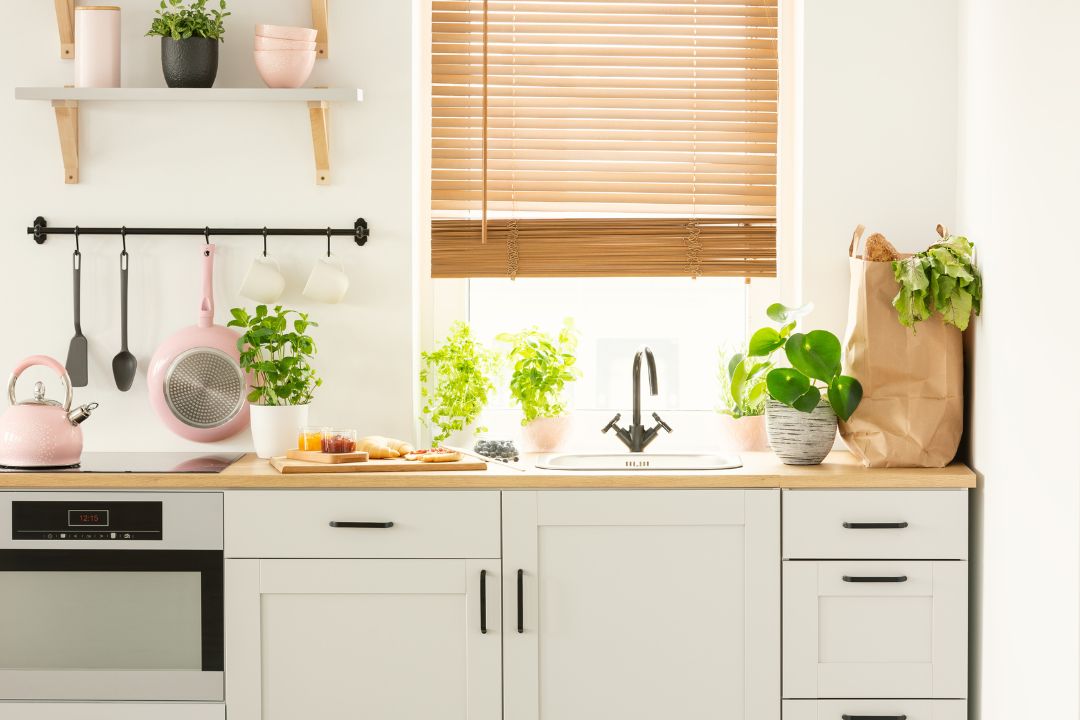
(97, 46)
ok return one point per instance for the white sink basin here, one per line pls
(640, 461)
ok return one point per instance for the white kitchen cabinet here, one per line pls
(875, 629)
(379, 638)
(641, 604)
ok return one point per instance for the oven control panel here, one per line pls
(85, 520)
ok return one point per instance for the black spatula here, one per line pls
(76, 358)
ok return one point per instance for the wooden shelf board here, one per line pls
(131, 94)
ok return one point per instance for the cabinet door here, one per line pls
(387, 639)
(875, 629)
(641, 604)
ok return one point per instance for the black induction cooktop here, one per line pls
(144, 462)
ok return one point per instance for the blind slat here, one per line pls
(554, 115)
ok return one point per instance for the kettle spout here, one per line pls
(80, 414)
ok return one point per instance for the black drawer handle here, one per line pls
(875, 579)
(875, 526)
(845, 716)
(349, 524)
(483, 602)
(521, 601)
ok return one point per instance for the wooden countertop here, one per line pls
(759, 470)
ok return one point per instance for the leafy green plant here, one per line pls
(180, 22)
(277, 356)
(543, 366)
(742, 383)
(816, 365)
(941, 279)
(456, 382)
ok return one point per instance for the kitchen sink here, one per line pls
(640, 461)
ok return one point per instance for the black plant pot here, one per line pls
(190, 63)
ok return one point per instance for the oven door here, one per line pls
(95, 624)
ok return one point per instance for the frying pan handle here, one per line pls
(206, 306)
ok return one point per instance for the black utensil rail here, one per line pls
(359, 232)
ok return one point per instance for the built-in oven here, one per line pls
(111, 596)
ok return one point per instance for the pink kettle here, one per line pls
(41, 433)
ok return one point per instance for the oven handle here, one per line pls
(350, 524)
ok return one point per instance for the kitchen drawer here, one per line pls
(875, 709)
(426, 524)
(876, 524)
(867, 637)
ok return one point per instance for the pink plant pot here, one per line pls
(284, 68)
(287, 32)
(544, 435)
(266, 43)
(745, 434)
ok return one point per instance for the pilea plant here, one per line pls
(941, 279)
(542, 368)
(174, 19)
(277, 356)
(816, 365)
(456, 382)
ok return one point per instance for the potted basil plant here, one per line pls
(543, 367)
(456, 385)
(805, 399)
(189, 41)
(276, 352)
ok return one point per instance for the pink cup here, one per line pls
(285, 32)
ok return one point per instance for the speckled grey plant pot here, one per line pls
(800, 438)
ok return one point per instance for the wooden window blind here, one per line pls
(604, 138)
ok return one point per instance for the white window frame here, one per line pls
(439, 303)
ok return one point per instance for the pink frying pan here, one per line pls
(197, 386)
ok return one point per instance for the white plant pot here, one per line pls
(275, 428)
(545, 435)
(800, 438)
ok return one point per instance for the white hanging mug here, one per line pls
(264, 282)
(328, 282)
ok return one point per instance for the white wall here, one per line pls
(1019, 187)
(878, 135)
(214, 164)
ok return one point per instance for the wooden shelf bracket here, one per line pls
(319, 22)
(67, 124)
(319, 110)
(65, 24)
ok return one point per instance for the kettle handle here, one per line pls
(48, 362)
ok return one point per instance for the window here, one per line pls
(592, 139)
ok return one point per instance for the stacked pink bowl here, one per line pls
(284, 55)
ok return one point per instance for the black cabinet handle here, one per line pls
(845, 716)
(348, 524)
(483, 602)
(521, 600)
(876, 526)
(876, 579)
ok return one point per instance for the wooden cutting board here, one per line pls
(325, 458)
(287, 466)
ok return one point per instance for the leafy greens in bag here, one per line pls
(942, 279)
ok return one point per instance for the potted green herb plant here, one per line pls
(189, 41)
(543, 366)
(801, 420)
(276, 352)
(742, 400)
(456, 384)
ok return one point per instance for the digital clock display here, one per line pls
(88, 518)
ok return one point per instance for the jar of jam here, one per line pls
(339, 441)
(311, 438)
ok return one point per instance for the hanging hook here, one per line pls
(77, 240)
(329, 232)
(123, 240)
(264, 240)
(206, 236)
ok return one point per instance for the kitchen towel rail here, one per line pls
(359, 232)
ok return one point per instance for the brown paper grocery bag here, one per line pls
(912, 411)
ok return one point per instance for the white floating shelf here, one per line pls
(132, 94)
(65, 102)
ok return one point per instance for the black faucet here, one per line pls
(636, 437)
